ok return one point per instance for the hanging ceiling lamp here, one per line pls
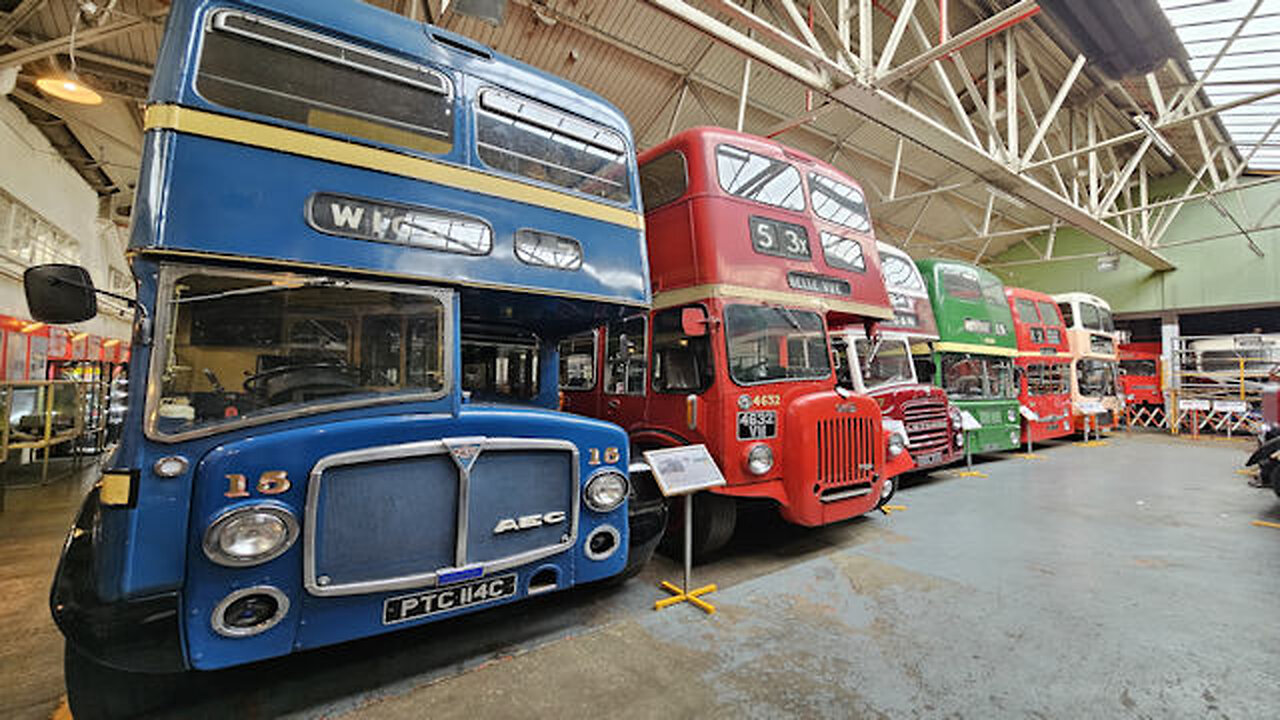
(68, 85)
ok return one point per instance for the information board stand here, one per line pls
(681, 472)
(1031, 417)
(1092, 410)
(968, 423)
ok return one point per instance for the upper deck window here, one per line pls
(663, 179)
(843, 252)
(900, 274)
(961, 283)
(839, 203)
(759, 178)
(1094, 317)
(1026, 310)
(1068, 318)
(993, 291)
(538, 141)
(269, 68)
(1048, 312)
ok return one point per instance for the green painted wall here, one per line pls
(1212, 273)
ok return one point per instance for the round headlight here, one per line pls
(605, 490)
(960, 438)
(957, 418)
(1013, 436)
(760, 459)
(1011, 415)
(896, 444)
(170, 466)
(250, 535)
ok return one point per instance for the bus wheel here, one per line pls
(1272, 475)
(887, 490)
(96, 691)
(714, 519)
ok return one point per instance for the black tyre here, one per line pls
(98, 692)
(1271, 474)
(714, 520)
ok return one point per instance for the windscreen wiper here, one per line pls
(258, 289)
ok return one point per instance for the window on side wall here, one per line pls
(578, 362)
(663, 180)
(624, 357)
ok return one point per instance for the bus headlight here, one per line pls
(605, 491)
(760, 459)
(250, 535)
(896, 444)
(1013, 436)
(896, 431)
(1011, 415)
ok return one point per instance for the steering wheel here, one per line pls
(291, 378)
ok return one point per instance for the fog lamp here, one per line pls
(250, 611)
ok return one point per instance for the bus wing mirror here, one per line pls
(693, 321)
(60, 294)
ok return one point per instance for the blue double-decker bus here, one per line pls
(357, 242)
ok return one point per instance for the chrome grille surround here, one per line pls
(927, 411)
(418, 449)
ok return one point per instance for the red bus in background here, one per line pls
(756, 253)
(1043, 365)
(880, 364)
(1140, 377)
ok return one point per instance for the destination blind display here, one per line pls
(400, 224)
(817, 283)
(775, 237)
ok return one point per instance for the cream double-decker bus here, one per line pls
(1091, 334)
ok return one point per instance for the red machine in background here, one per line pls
(1140, 374)
(755, 252)
(1043, 365)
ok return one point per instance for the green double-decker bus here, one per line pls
(973, 358)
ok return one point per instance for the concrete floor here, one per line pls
(1116, 581)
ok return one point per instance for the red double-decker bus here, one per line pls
(756, 251)
(1043, 365)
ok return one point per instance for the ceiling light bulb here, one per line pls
(69, 87)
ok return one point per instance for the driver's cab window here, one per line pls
(233, 346)
(681, 363)
(578, 362)
(624, 357)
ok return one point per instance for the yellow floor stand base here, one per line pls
(887, 509)
(970, 473)
(1264, 523)
(692, 597)
(1029, 456)
(1091, 443)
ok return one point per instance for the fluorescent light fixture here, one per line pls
(1144, 123)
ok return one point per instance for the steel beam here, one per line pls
(896, 116)
(991, 24)
(18, 17)
(87, 37)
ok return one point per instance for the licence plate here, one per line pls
(429, 602)
(932, 458)
(757, 424)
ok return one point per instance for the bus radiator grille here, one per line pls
(846, 452)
